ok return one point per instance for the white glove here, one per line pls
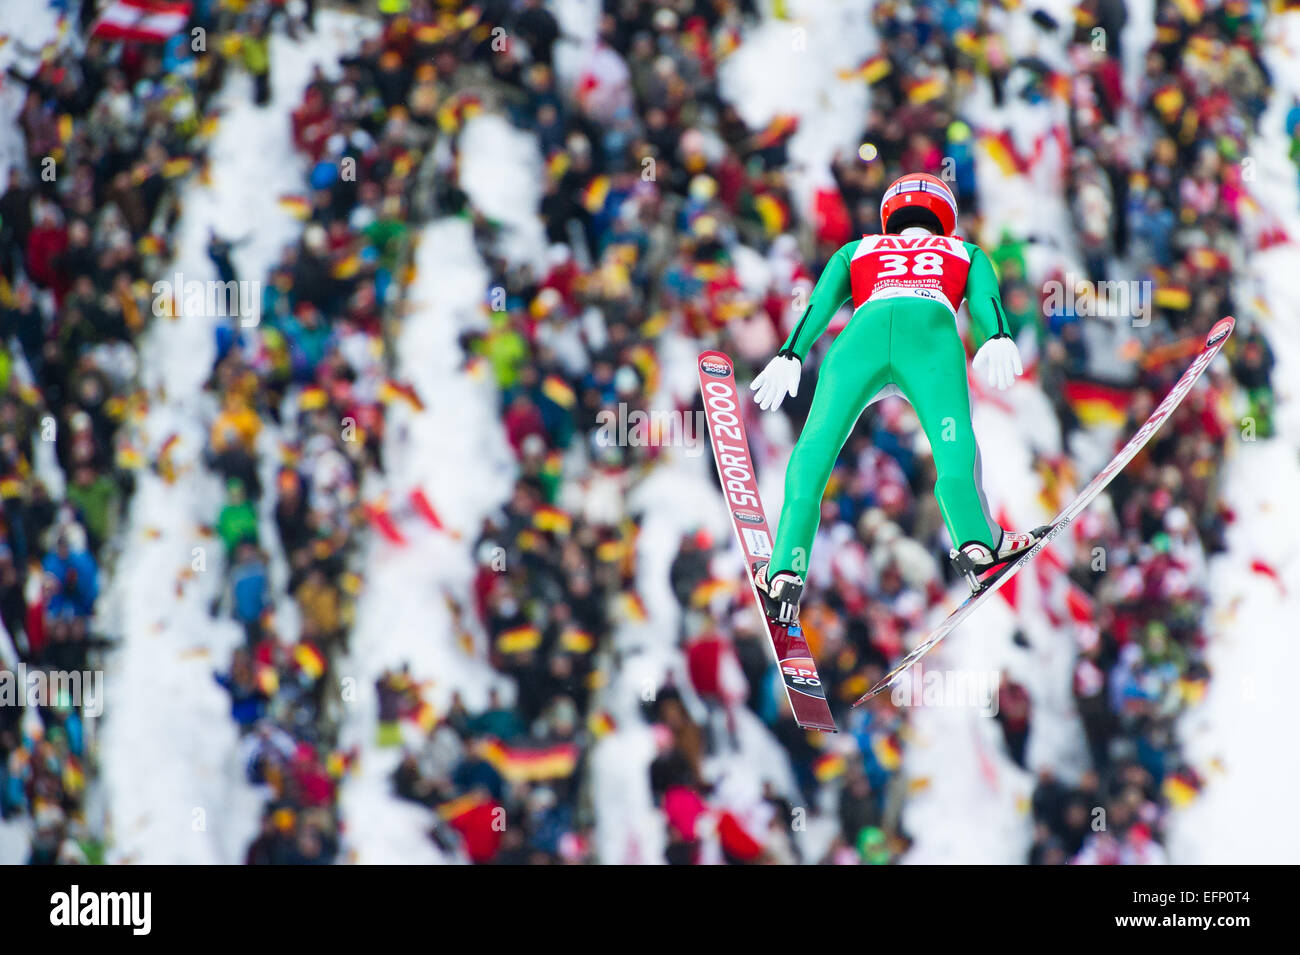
(1000, 359)
(779, 378)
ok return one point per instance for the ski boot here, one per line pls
(974, 558)
(781, 595)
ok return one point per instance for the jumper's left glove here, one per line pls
(999, 359)
(778, 379)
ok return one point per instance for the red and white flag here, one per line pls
(146, 21)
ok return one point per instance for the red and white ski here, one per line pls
(996, 578)
(722, 409)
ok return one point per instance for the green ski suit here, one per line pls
(895, 338)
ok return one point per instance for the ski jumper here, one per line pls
(902, 338)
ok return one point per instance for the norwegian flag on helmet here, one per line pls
(916, 195)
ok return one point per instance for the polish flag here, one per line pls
(146, 21)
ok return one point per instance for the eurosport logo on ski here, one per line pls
(717, 367)
(723, 409)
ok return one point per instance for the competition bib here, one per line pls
(930, 266)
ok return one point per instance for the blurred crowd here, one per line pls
(1173, 209)
(84, 220)
(655, 194)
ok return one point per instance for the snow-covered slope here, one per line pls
(455, 449)
(170, 756)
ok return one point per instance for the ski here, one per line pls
(722, 409)
(999, 576)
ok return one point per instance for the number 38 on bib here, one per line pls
(931, 266)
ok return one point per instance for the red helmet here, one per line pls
(919, 199)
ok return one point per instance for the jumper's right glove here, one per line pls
(778, 379)
(1000, 359)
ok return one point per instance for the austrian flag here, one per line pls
(145, 21)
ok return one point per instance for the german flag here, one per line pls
(519, 639)
(633, 608)
(870, 70)
(600, 724)
(595, 194)
(391, 390)
(646, 363)
(425, 716)
(829, 766)
(888, 750)
(312, 398)
(875, 68)
(461, 806)
(337, 764)
(430, 33)
(1097, 404)
(268, 681)
(1180, 788)
(1192, 689)
(346, 268)
(655, 325)
(1191, 10)
(309, 660)
(153, 245)
(74, 780)
(772, 213)
(129, 458)
(174, 168)
(559, 391)
(924, 91)
(552, 519)
(1058, 84)
(1176, 298)
(705, 592)
(611, 551)
(1003, 153)
(1174, 351)
(517, 764)
(777, 130)
(297, 206)
(1168, 101)
(576, 640)
(557, 164)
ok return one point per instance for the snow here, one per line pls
(1238, 738)
(792, 67)
(455, 449)
(26, 28)
(169, 752)
(402, 616)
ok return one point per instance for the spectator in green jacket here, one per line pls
(237, 523)
(96, 495)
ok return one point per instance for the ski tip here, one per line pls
(1221, 330)
(875, 690)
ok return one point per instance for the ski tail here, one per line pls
(723, 410)
(1214, 342)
